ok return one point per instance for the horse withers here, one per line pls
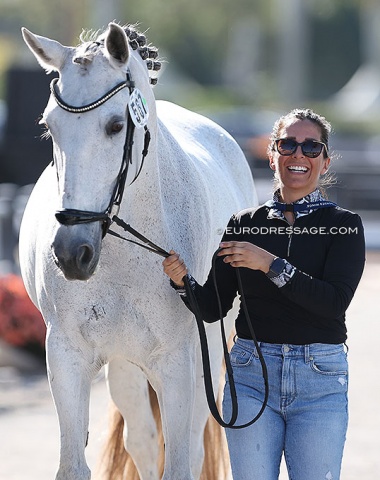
(106, 302)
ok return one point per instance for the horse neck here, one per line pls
(143, 198)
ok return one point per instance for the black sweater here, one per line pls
(328, 250)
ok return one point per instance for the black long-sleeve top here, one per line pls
(326, 254)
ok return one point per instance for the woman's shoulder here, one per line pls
(342, 215)
(247, 214)
(343, 212)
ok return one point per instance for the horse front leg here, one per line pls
(174, 382)
(70, 372)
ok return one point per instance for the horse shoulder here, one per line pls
(35, 230)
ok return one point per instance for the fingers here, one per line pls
(229, 248)
(240, 254)
(233, 253)
(175, 268)
(246, 254)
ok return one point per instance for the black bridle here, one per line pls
(68, 217)
(71, 216)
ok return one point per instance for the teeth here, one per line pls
(297, 168)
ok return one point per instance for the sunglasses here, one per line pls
(310, 148)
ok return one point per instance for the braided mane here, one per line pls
(92, 41)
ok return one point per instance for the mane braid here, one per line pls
(149, 53)
(137, 41)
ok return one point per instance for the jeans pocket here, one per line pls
(333, 364)
(240, 357)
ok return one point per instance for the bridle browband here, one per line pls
(71, 216)
(91, 106)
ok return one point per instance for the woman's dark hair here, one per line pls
(302, 114)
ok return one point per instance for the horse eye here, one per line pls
(116, 127)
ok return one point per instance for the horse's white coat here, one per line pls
(194, 177)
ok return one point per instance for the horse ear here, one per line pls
(116, 43)
(49, 53)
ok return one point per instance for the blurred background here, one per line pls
(242, 63)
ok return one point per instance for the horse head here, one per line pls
(94, 116)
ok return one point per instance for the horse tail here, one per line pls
(115, 461)
(160, 436)
(117, 464)
(216, 464)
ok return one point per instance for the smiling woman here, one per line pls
(303, 258)
(315, 130)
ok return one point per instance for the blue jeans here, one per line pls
(306, 416)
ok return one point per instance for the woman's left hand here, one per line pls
(246, 254)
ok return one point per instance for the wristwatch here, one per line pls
(276, 267)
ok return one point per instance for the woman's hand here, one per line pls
(246, 254)
(175, 268)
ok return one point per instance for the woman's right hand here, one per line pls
(175, 268)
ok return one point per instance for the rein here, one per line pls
(69, 216)
(207, 377)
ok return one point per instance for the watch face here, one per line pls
(276, 268)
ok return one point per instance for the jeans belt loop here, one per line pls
(307, 353)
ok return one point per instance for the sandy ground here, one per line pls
(29, 435)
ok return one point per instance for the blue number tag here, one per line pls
(138, 108)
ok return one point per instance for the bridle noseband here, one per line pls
(70, 216)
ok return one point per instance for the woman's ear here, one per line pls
(325, 165)
(272, 165)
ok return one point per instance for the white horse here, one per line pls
(108, 302)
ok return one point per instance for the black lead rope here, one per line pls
(232, 422)
(152, 247)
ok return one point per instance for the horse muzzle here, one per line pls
(76, 249)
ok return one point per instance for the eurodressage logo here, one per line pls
(291, 230)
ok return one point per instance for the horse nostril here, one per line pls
(76, 250)
(85, 255)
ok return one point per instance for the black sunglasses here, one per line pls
(310, 148)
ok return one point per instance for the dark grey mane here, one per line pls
(93, 41)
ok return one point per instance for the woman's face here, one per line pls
(298, 174)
